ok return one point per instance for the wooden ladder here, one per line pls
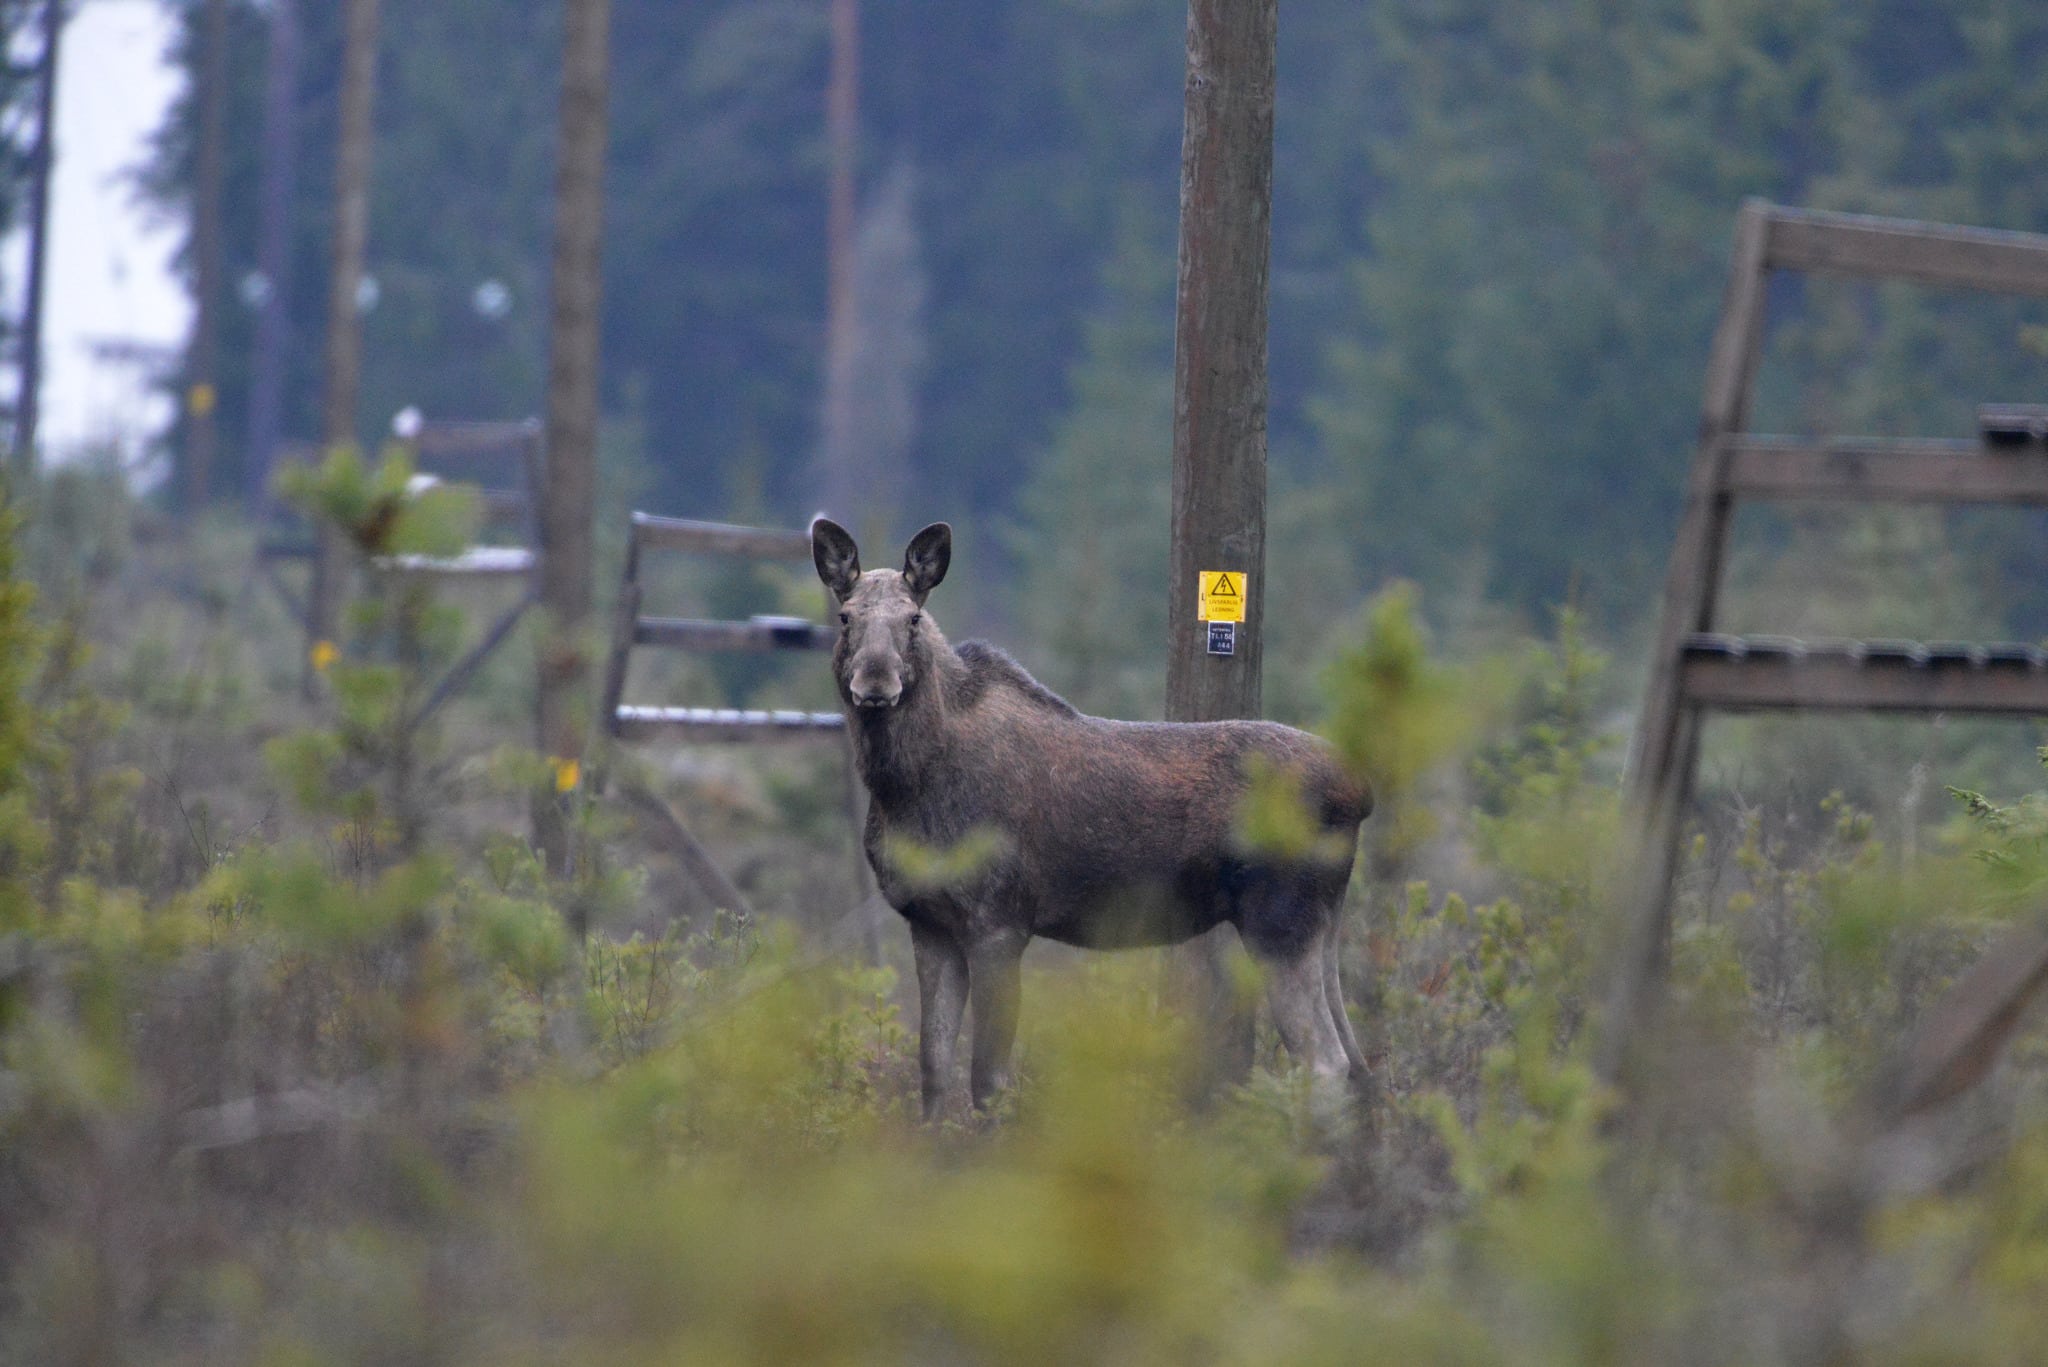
(628, 722)
(1695, 669)
(504, 460)
(761, 633)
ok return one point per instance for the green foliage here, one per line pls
(1091, 546)
(2010, 842)
(21, 838)
(1549, 814)
(1395, 714)
(388, 509)
(927, 868)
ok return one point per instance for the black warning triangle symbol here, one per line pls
(1224, 588)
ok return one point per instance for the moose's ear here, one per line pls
(924, 564)
(835, 555)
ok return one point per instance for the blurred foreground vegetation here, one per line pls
(303, 1059)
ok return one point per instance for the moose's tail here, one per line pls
(1347, 801)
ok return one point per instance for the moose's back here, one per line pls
(1116, 832)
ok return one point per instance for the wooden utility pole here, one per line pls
(202, 395)
(1217, 565)
(573, 355)
(1219, 359)
(28, 405)
(273, 248)
(344, 314)
(839, 485)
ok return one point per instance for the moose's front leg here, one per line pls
(993, 964)
(941, 1001)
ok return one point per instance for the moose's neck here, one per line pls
(898, 749)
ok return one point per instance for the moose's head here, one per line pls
(883, 636)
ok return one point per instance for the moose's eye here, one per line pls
(844, 619)
(916, 617)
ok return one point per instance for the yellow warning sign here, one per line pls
(1221, 597)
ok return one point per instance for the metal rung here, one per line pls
(475, 560)
(725, 724)
(1739, 673)
(755, 634)
(1918, 471)
(2012, 424)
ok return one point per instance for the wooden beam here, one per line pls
(1692, 578)
(625, 613)
(1662, 756)
(663, 823)
(1901, 249)
(1769, 674)
(721, 538)
(1966, 1032)
(459, 673)
(445, 437)
(1918, 471)
(760, 634)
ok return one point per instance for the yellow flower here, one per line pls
(323, 654)
(568, 773)
(200, 399)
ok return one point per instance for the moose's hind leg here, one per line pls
(1333, 990)
(1301, 1012)
(1286, 927)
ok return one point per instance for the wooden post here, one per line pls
(202, 395)
(344, 315)
(28, 405)
(1219, 352)
(1667, 734)
(1219, 404)
(571, 458)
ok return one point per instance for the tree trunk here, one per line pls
(28, 405)
(273, 250)
(202, 395)
(1219, 419)
(566, 505)
(344, 315)
(841, 489)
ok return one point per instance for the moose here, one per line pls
(1099, 833)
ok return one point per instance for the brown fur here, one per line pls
(1101, 833)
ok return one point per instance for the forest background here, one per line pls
(1500, 235)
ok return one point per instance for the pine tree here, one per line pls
(1092, 540)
